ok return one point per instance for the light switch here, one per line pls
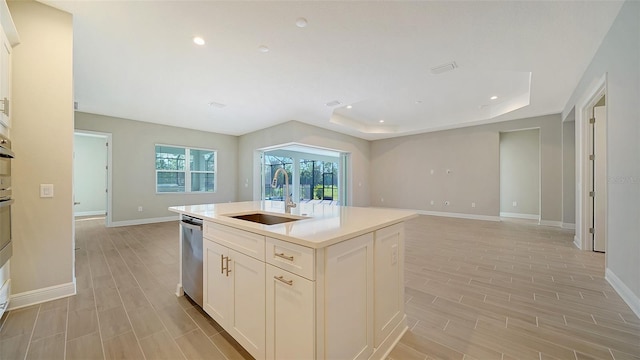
(46, 190)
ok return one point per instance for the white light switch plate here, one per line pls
(46, 190)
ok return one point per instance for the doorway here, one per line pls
(92, 174)
(316, 175)
(598, 175)
(591, 166)
(520, 174)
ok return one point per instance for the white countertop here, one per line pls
(323, 225)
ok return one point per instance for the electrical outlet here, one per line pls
(515, 204)
(381, 199)
(394, 254)
(139, 208)
(473, 204)
(433, 202)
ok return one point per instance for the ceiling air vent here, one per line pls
(216, 105)
(333, 103)
(444, 68)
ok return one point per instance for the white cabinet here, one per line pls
(348, 299)
(234, 294)
(290, 315)
(216, 283)
(5, 80)
(389, 281)
(5, 287)
(281, 300)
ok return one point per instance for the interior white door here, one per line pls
(600, 179)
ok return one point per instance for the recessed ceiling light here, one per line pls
(381, 121)
(493, 97)
(349, 106)
(198, 40)
(301, 22)
(263, 48)
(333, 103)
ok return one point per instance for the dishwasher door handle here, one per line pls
(191, 226)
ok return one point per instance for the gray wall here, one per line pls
(520, 172)
(298, 132)
(42, 135)
(401, 175)
(619, 58)
(568, 173)
(89, 175)
(133, 162)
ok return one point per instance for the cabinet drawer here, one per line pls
(244, 242)
(295, 258)
(5, 291)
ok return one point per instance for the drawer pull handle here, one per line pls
(221, 264)
(286, 257)
(281, 279)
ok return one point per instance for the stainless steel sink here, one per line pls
(265, 219)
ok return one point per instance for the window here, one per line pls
(175, 174)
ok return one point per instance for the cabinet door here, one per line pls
(247, 320)
(290, 315)
(389, 282)
(5, 79)
(348, 302)
(216, 286)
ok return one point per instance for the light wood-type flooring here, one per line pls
(474, 290)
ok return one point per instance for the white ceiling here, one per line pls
(136, 60)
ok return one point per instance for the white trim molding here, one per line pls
(623, 290)
(38, 296)
(520, 216)
(448, 214)
(550, 223)
(458, 215)
(144, 221)
(91, 213)
(577, 242)
(569, 226)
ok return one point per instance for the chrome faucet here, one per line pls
(288, 204)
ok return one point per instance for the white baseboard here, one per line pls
(458, 215)
(550, 223)
(623, 290)
(144, 221)
(577, 242)
(520, 216)
(38, 296)
(90, 213)
(569, 226)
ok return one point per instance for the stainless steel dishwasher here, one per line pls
(192, 257)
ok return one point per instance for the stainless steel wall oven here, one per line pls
(5, 199)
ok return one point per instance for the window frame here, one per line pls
(187, 170)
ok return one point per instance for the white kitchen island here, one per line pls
(328, 285)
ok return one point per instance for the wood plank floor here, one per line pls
(474, 290)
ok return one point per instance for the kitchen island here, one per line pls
(324, 282)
